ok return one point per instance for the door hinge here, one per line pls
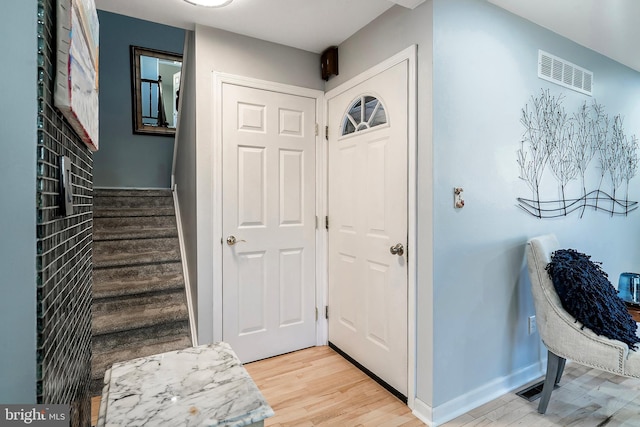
(326, 311)
(326, 133)
(316, 314)
(317, 129)
(326, 222)
(316, 222)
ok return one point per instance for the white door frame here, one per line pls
(219, 79)
(409, 54)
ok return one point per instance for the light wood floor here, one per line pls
(586, 397)
(317, 387)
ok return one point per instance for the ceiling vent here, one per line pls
(564, 73)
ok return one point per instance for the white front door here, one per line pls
(368, 139)
(268, 278)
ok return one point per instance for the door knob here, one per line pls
(231, 240)
(397, 249)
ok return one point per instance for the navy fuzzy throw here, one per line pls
(586, 293)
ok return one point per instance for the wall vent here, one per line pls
(564, 73)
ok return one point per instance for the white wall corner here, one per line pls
(462, 404)
(409, 4)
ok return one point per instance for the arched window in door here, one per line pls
(365, 112)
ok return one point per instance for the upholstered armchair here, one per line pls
(560, 332)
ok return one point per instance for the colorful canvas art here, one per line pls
(76, 90)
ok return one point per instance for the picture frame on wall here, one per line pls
(76, 81)
(155, 89)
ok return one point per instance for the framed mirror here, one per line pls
(155, 78)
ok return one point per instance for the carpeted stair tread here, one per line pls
(101, 362)
(142, 336)
(135, 212)
(121, 281)
(121, 314)
(126, 202)
(119, 192)
(132, 252)
(134, 227)
(121, 304)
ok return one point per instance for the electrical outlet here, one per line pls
(533, 326)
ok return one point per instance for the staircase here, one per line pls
(139, 302)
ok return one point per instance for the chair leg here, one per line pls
(555, 367)
(560, 369)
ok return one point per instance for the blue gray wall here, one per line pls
(485, 71)
(127, 160)
(478, 69)
(18, 208)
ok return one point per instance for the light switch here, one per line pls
(66, 194)
(458, 200)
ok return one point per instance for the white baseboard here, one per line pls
(185, 270)
(462, 404)
(423, 412)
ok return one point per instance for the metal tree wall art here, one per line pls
(566, 145)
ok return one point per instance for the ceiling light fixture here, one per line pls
(209, 3)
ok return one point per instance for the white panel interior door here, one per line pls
(367, 216)
(269, 210)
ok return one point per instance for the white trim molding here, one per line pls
(410, 55)
(423, 412)
(185, 268)
(462, 404)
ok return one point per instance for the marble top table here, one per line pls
(198, 386)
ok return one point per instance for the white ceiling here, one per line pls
(311, 25)
(609, 27)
